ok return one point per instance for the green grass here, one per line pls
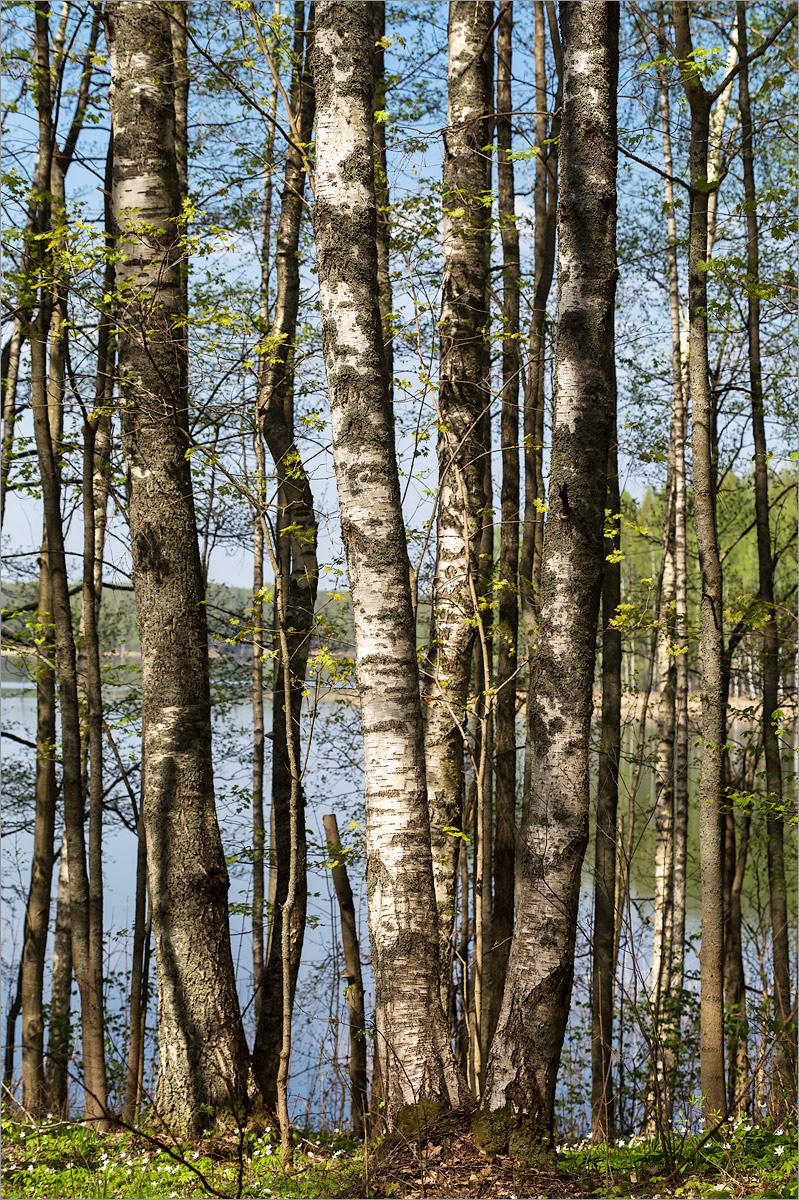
(57, 1159)
(744, 1160)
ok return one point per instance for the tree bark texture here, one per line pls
(203, 1053)
(605, 915)
(710, 646)
(545, 200)
(382, 194)
(524, 1057)
(784, 1093)
(352, 962)
(412, 1043)
(38, 910)
(508, 634)
(464, 398)
(296, 553)
(59, 1031)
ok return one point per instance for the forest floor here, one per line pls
(57, 1159)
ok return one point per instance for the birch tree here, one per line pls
(412, 1041)
(524, 1057)
(464, 396)
(203, 1057)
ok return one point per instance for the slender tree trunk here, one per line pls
(676, 931)
(545, 200)
(258, 646)
(710, 646)
(56, 1070)
(352, 963)
(525, 1054)
(412, 1043)
(507, 660)
(38, 909)
(258, 736)
(295, 589)
(10, 375)
(464, 396)
(203, 1051)
(136, 1020)
(784, 1089)
(605, 915)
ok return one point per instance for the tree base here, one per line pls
(521, 1136)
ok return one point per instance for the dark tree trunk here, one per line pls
(297, 565)
(525, 1053)
(508, 633)
(704, 491)
(784, 1087)
(605, 915)
(203, 1052)
(352, 963)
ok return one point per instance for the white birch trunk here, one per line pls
(412, 1043)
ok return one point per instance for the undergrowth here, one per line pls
(58, 1159)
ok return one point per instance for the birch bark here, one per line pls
(412, 1044)
(524, 1057)
(464, 397)
(203, 1052)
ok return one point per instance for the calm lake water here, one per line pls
(333, 783)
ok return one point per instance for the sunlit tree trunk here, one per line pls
(525, 1053)
(203, 1053)
(412, 1041)
(464, 395)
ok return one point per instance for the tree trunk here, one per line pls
(47, 401)
(507, 659)
(710, 645)
(783, 1097)
(296, 587)
(545, 200)
(412, 1046)
(59, 1038)
(203, 1052)
(137, 984)
(382, 194)
(10, 374)
(524, 1057)
(464, 396)
(38, 909)
(675, 929)
(605, 915)
(352, 963)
